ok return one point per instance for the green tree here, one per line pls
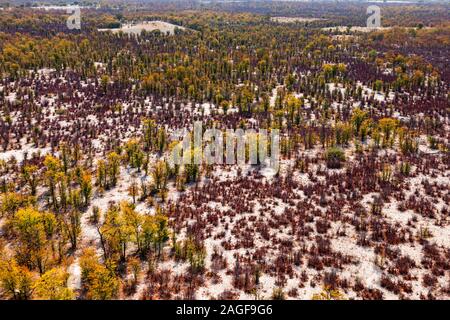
(387, 127)
(160, 175)
(53, 167)
(31, 176)
(113, 167)
(358, 117)
(334, 158)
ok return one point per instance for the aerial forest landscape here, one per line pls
(224, 150)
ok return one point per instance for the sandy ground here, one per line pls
(354, 29)
(294, 19)
(162, 26)
(364, 267)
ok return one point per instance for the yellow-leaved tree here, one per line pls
(53, 286)
(16, 281)
(328, 293)
(34, 231)
(99, 281)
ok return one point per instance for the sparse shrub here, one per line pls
(278, 294)
(433, 142)
(95, 216)
(334, 158)
(328, 294)
(405, 168)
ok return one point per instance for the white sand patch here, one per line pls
(20, 153)
(354, 29)
(74, 270)
(136, 29)
(294, 19)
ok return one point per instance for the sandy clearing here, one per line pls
(136, 29)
